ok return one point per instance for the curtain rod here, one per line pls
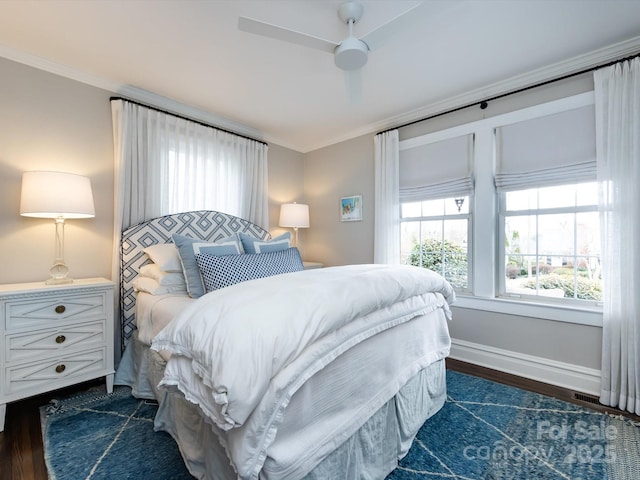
(484, 103)
(204, 124)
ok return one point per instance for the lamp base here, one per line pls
(58, 274)
(295, 229)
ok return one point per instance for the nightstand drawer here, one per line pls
(54, 336)
(53, 373)
(47, 343)
(23, 314)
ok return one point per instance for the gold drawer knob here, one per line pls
(60, 368)
(60, 338)
(60, 309)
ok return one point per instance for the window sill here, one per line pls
(559, 313)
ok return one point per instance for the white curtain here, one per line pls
(206, 168)
(166, 164)
(617, 90)
(387, 198)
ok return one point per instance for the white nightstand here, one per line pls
(310, 265)
(54, 336)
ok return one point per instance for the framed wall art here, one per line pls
(351, 208)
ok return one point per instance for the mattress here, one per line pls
(154, 312)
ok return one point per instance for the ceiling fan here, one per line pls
(349, 54)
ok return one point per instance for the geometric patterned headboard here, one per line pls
(205, 225)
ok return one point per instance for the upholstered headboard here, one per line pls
(206, 225)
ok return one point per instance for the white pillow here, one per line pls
(152, 270)
(149, 285)
(165, 255)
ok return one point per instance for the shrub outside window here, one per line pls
(435, 235)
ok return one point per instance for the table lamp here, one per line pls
(294, 215)
(60, 196)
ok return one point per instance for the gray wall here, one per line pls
(330, 173)
(48, 122)
(570, 343)
(285, 186)
(348, 168)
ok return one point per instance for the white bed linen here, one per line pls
(238, 338)
(342, 307)
(154, 312)
(317, 421)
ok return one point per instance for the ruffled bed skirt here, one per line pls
(372, 452)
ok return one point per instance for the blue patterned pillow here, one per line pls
(189, 247)
(256, 245)
(222, 271)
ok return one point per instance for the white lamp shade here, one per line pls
(294, 215)
(55, 195)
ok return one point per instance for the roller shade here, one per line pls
(437, 170)
(545, 151)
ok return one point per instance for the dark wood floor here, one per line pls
(21, 451)
(533, 386)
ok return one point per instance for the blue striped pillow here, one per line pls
(256, 245)
(189, 247)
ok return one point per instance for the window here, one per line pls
(196, 180)
(436, 187)
(435, 234)
(549, 227)
(552, 242)
(203, 168)
(528, 228)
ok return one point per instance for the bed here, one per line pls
(316, 374)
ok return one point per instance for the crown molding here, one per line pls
(547, 73)
(56, 68)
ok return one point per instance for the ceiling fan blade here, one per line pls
(279, 33)
(409, 19)
(353, 84)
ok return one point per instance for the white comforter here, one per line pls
(234, 341)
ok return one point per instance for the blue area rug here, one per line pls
(491, 431)
(485, 431)
(107, 436)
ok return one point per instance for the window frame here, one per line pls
(503, 213)
(468, 216)
(484, 266)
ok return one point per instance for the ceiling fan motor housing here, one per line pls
(351, 54)
(350, 11)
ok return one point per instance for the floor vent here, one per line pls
(583, 397)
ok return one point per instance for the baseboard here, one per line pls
(566, 375)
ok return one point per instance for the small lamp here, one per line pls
(59, 196)
(294, 215)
